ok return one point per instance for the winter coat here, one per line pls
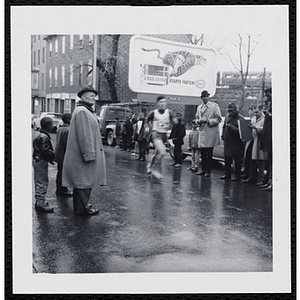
(118, 128)
(61, 143)
(134, 132)
(209, 135)
(84, 162)
(193, 138)
(233, 145)
(266, 137)
(178, 133)
(42, 146)
(128, 127)
(256, 152)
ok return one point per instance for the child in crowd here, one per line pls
(60, 149)
(118, 132)
(177, 135)
(42, 154)
(193, 145)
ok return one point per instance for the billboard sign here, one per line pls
(160, 66)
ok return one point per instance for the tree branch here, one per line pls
(240, 55)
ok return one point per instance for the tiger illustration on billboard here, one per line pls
(180, 61)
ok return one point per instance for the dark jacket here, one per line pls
(42, 146)
(178, 133)
(233, 145)
(61, 143)
(266, 137)
(118, 128)
(128, 127)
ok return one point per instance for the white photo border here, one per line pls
(28, 20)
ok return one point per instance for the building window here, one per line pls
(63, 75)
(50, 50)
(61, 106)
(43, 55)
(71, 75)
(50, 78)
(71, 41)
(55, 77)
(43, 81)
(34, 38)
(80, 74)
(56, 47)
(39, 57)
(56, 102)
(90, 72)
(35, 81)
(39, 37)
(63, 44)
(48, 104)
(34, 58)
(67, 104)
(43, 104)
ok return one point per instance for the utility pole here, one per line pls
(95, 63)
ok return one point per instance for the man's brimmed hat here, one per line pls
(231, 106)
(204, 94)
(85, 89)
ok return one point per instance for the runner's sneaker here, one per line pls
(157, 175)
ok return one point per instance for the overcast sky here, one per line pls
(262, 56)
(217, 23)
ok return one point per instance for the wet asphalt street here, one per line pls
(186, 223)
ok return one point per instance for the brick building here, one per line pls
(69, 60)
(38, 73)
(69, 64)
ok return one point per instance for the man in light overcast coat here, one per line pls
(84, 162)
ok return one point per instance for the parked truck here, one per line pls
(108, 123)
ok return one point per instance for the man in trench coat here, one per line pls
(84, 162)
(208, 117)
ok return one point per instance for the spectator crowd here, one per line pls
(79, 151)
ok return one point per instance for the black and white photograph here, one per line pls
(148, 155)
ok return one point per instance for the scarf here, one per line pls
(86, 105)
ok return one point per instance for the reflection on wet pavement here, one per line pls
(185, 223)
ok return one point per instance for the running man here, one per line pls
(160, 121)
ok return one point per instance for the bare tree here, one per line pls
(242, 63)
(108, 66)
(83, 54)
